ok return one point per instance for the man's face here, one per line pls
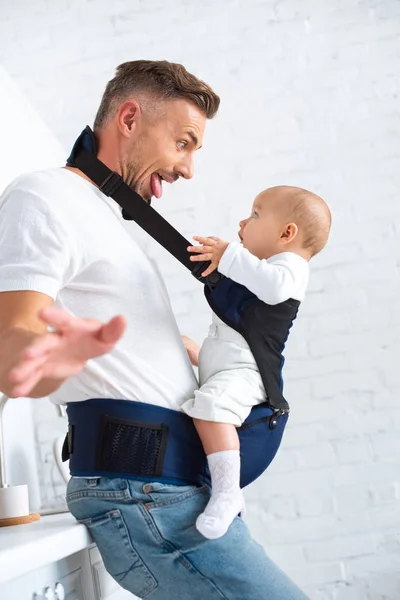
(164, 149)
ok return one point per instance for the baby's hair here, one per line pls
(313, 218)
(310, 213)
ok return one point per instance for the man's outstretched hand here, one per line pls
(65, 350)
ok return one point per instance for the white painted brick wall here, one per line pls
(310, 97)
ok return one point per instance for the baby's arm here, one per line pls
(272, 282)
(192, 348)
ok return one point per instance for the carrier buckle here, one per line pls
(111, 184)
(211, 280)
(276, 415)
(68, 445)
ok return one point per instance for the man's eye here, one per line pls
(182, 144)
(254, 213)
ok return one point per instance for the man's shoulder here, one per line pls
(36, 182)
(51, 190)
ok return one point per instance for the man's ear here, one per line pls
(289, 233)
(128, 114)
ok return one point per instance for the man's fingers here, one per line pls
(25, 369)
(42, 346)
(112, 331)
(23, 389)
(55, 317)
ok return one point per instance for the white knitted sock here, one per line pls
(226, 500)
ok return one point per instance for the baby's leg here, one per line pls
(221, 444)
(217, 437)
(222, 403)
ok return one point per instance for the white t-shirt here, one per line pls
(61, 236)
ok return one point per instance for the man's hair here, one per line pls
(161, 80)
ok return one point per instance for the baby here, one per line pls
(286, 228)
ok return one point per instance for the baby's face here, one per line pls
(260, 233)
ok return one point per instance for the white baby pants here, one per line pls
(230, 383)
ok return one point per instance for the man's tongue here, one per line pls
(156, 186)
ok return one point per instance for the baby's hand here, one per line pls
(211, 248)
(193, 349)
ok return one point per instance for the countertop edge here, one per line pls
(52, 538)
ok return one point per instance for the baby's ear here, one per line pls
(289, 233)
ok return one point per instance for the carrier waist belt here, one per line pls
(124, 438)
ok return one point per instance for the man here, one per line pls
(67, 266)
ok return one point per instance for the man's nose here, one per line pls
(185, 168)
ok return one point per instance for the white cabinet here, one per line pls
(54, 559)
(105, 587)
(65, 578)
(69, 587)
(81, 576)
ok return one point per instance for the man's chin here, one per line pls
(145, 197)
(145, 194)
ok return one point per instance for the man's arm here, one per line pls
(35, 362)
(20, 326)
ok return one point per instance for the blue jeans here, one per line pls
(146, 535)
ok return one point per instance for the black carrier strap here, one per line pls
(134, 207)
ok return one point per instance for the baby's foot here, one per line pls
(219, 513)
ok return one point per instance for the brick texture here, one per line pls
(310, 97)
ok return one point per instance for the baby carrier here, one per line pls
(120, 438)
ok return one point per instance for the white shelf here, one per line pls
(24, 548)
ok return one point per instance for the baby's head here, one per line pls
(286, 219)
